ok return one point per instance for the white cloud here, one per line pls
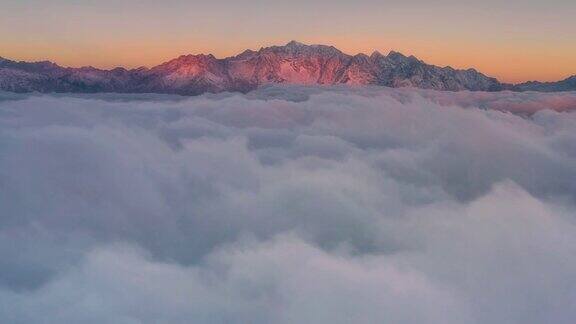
(289, 204)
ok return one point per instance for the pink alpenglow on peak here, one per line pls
(293, 63)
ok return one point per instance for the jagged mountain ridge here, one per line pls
(293, 63)
(568, 84)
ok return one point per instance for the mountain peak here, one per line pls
(197, 56)
(297, 48)
(376, 54)
(394, 54)
(247, 53)
(294, 43)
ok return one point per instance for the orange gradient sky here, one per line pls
(514, 41)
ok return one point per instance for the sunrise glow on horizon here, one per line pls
(510, 42)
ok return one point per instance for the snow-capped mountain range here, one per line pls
(293, 63)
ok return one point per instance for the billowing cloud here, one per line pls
(288, 205)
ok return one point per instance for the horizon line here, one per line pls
(374, 51)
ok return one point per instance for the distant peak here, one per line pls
(196, 55)
(294, 43)
(376, 54)
(395, 54)
(140, 69)
(194, 58)
(295, 47)
(46, 64)
(246, 53)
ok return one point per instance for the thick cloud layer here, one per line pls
(288, 205)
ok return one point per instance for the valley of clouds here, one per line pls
(288, 204)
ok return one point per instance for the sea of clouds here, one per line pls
(288, 205)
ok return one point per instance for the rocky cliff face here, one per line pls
(293, 63)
